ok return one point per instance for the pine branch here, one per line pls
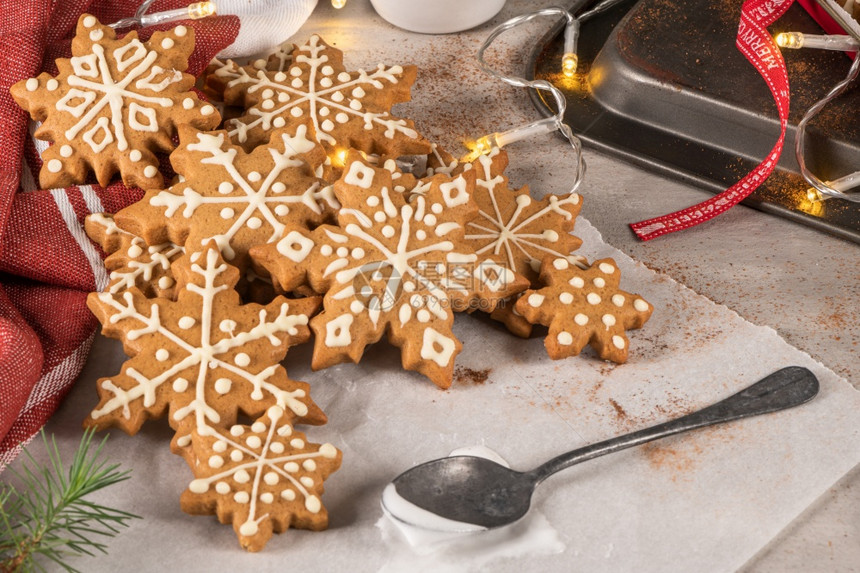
(48, 518)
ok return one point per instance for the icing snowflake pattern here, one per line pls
(346, 109)
(584, 306)
(213, 357)
(235, 198)
(263, 478)
(391, 266)
(131, 262)
(219, 73)
(114, 102)
(516, 230)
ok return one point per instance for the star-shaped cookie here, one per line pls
(391, 266)
(584, 306)
(113, 105)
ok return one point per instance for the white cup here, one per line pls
(437, 16)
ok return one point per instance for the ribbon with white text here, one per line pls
(756, 44)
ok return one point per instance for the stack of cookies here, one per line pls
(299, 215)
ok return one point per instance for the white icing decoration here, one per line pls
(592, 298)
(150, 171)
(535, 299)
(492, 233)
(640, 305)
(89, 21)
(618, 300)
(454, 193)
(66, 151)
(167, 43)
(295, 246)
(180, 31)
(565, 298)
(205, 352)
(437, 347)
(608, 320)
(580, 319)
(32, 84)
(223, 385)
(576, 282)
(618, 342)
(606, 268)
(321, 92)
(565, 338)
(135, 155)
(255, 196)
(359, 175)
(337, 331)
(94, 88)
(55, 166)
(599, 282)
(187, 322)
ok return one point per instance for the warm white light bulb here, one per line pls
(836, 42)
(201, 10)
(793, 40)
(568, 65)
(338, 4)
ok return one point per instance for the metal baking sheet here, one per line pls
(661, 84)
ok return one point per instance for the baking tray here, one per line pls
(662, 85)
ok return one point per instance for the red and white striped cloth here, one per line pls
(47, 263)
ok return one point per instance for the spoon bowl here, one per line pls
(467, 489)
(469, 492)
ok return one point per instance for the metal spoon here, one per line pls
(475, 491)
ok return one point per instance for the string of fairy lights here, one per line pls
(819, 190)
(841, 187)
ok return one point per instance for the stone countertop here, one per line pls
(773, 272)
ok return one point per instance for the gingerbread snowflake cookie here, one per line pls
(391, 266)
(131, 262)
(262, 478)
(113, 105)
(346, 109)
(203, 358)
(235, 198)
(584, 306)
(515, 230)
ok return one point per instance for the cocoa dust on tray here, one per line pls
(464, 375)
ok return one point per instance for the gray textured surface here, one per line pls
(800, 282)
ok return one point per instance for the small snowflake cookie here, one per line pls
(113, 105)
(345, 109)
(262, 478)
(131, 262)
(234, 198)
(391, 267)
(202, 358)
(583, 306)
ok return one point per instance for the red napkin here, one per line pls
(47, 263)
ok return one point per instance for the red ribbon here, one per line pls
(756, 44)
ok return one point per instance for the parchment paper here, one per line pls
(705, 501)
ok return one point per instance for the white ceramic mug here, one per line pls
(437, 16)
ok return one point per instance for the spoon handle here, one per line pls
(783, 389)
